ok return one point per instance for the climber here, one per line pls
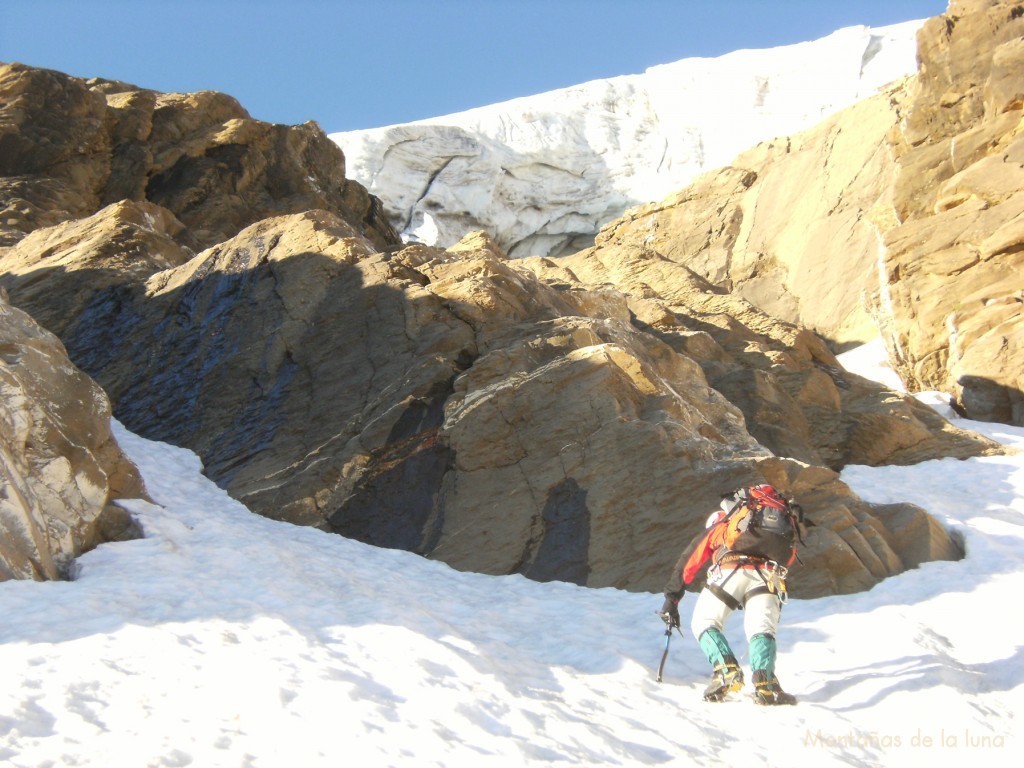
(749, 544)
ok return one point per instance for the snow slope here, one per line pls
(226, 639)
(542, 173)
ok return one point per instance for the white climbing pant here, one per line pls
(760, 614)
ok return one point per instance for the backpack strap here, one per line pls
(797, 513)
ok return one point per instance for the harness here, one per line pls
(734, 561)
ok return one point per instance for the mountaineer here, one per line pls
(748, 546)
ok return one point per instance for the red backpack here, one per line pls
(763, 524)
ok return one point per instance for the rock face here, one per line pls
(960, 199)
(796, 399)
(571, 418)
(61, 468)
(123, 240)
(543, 173)
(101, 185)
(503, 416)
(69, 147)
(898, 217)
(792, 225)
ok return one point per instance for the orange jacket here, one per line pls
(713, 540)
(711, 546)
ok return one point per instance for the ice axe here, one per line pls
(669, 626)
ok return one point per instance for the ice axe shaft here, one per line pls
(664, 654)
(669, 626)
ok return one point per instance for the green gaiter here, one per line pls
(762, 653)
(716, 647)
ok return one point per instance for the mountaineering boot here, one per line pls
(768, 692)
(762, 660)
(726, 678)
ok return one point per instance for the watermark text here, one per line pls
(920, 739)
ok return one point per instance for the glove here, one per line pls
(670, 611)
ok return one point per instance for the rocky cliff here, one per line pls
(953, 291)
(791, 225)
(175, 172)
(897, 217)
(565, 418)
(61, 469)
(69, 147)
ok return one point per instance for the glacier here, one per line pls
(541, 174)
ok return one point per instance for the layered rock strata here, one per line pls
(792, 225)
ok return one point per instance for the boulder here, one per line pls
(123, 243)
(62, 469)
(69, 147)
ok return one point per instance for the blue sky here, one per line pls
(352, 64)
